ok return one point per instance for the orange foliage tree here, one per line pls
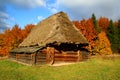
(12, 38)
(98, 41)
(103, 23)
(27, 30)
(6, 40)
(88, 30)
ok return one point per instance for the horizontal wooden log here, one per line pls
(12, 56)
(56, 60)
(66, 56)
(41, 56)
(42, 60)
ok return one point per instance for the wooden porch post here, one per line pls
(79, 55)
(33, 58)
(50, 55)
(16, 56)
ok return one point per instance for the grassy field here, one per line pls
(93, 69)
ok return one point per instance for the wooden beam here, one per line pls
(50, 55)
(79, 55)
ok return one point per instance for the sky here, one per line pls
(23, 12)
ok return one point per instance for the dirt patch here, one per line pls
(2, 58)
(63, 63)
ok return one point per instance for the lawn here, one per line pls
(93, 69)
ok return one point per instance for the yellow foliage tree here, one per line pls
(102, 45)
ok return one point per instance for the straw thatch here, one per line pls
(56, 28)
(25, 49)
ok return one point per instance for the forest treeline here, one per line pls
(102, 34)
(11, 38)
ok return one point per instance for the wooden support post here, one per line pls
(16, 56)
(32, 60)
(50, 55)
(79, 56)
(35, 58)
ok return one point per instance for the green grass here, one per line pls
(93, 69)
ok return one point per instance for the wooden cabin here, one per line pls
(54, 39)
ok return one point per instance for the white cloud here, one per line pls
(53, 7)
(21, 4)
(3, 15)
(87, 3)
(12, 19)
(40, 18)
(3, 18)
(28, 3)
(53, 10)
(84, 8)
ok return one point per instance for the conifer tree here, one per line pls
(95, 23)
(118, 30)
(113, 35)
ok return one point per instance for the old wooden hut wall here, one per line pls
(40, 57)
(28, 58)
(64, 56)
(69, 56)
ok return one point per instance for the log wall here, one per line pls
(25, 58)
(40, 57)
(37, 59)
(68, 57)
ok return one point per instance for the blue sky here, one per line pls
(23, 12)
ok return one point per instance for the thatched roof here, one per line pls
(25, 49)
(56, 28)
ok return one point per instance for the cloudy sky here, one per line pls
(24, 12)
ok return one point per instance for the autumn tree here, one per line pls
(103, 45)
(6, 41)
(27, 29)
(103, 23)
(12, 38)
(98, 42)
(88, 30)
(17, 36)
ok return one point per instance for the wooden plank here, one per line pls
(66, 56)
(41, 60)
(41, 56)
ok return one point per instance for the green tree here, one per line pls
(113, 36)
(118, 30)
(95, 22)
